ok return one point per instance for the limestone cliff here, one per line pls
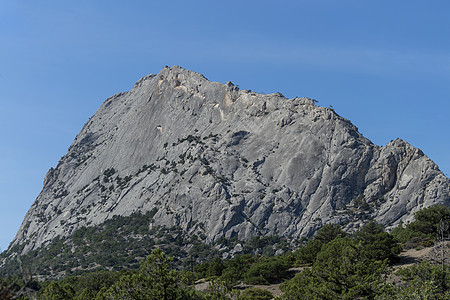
(222, 161)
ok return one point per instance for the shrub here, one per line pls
(427, 219)
(425, 229)
(308, 253)
(340, 271)
(376, 243)
(268, 271)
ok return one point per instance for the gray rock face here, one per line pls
(221, 161)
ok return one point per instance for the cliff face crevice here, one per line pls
(220, 161)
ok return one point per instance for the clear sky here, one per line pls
(384, 65)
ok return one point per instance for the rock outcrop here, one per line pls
(221, 161)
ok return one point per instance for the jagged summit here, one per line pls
(220, 161)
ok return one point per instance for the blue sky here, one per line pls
(384, 65)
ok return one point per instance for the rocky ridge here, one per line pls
(220, 161)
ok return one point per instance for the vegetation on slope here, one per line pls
(123, 242)
(426, 227)
(333, 265)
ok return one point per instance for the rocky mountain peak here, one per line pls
(219, 161)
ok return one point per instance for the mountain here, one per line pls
(218, 161)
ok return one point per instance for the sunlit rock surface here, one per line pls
(221, 161)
